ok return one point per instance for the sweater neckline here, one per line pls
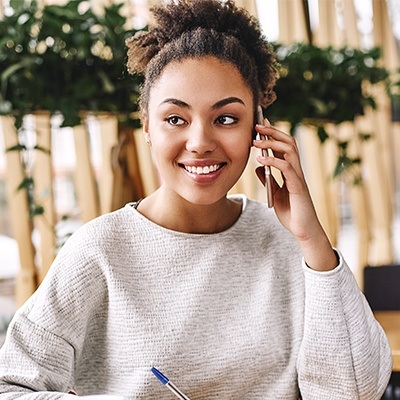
(240, 198)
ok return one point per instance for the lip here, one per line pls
(203, 178)
(201, 163)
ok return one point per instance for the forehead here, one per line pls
(206, 77)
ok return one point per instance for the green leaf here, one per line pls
(107, 84)
(36, 210)
(365, 136)
(18, 5)
(85, 87)
(322, 134)
(12, 69)
(17, 147)
(26, 184)
(69, 109)
(357, 180)
(65, 13)
(42, 149)
(343, 163)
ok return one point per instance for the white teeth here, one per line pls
(202, 170)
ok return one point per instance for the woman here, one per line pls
(230, 299)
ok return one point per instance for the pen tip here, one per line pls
(159, 375)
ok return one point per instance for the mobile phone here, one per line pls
(267, 169)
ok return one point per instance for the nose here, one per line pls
(200, 139)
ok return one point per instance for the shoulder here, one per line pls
(105, 230)
(258, 215)
(262, 225)
(82, 262)
(77, 282)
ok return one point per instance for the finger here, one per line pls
(274, 133)
(290, 169)
(281, 150)
(260, 172)
(276, 146)
(279, 143)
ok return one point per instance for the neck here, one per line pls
(182, 216)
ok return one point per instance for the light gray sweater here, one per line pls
(231, 315)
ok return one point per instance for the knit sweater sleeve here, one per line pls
(345, 352)
(37, 360)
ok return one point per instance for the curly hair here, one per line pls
(198, 28)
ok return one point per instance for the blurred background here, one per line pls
(71, 146)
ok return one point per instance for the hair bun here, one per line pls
(179, 18)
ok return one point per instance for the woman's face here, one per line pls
(200, 122)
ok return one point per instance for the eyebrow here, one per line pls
(226, 101)
(176, 102)
(216, 106)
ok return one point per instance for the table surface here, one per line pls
(390, 321)
(396, 360)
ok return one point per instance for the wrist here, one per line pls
(319, 255)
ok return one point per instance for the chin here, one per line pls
(203, 199)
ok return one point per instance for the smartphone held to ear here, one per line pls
(267, 169)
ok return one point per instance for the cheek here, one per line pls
(240, 145)
(165, 149)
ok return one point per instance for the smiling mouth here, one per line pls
(208, 169)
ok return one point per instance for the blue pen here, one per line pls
(166, 382)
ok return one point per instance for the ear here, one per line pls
(145, 123)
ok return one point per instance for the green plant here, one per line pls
(63, 59)
(326, 85)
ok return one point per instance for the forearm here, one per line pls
(318, 252)
(344, 352)
(34, 363)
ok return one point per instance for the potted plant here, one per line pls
(326, 85)
(64, 59)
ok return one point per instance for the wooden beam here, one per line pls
(328, 33)
(358, 198)
(108, 125)
(84, 176)
(306, 14)
(43, 177)
(128, 185)
(291, 27)
(380, 216)
(148, 171)
(323, 189)
(249, 5)
(385, 39)
(18, 206)
(318, 170)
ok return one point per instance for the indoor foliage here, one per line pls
(65, 59)
(326, 85)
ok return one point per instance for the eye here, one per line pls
(226, 120)
(175, 120)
